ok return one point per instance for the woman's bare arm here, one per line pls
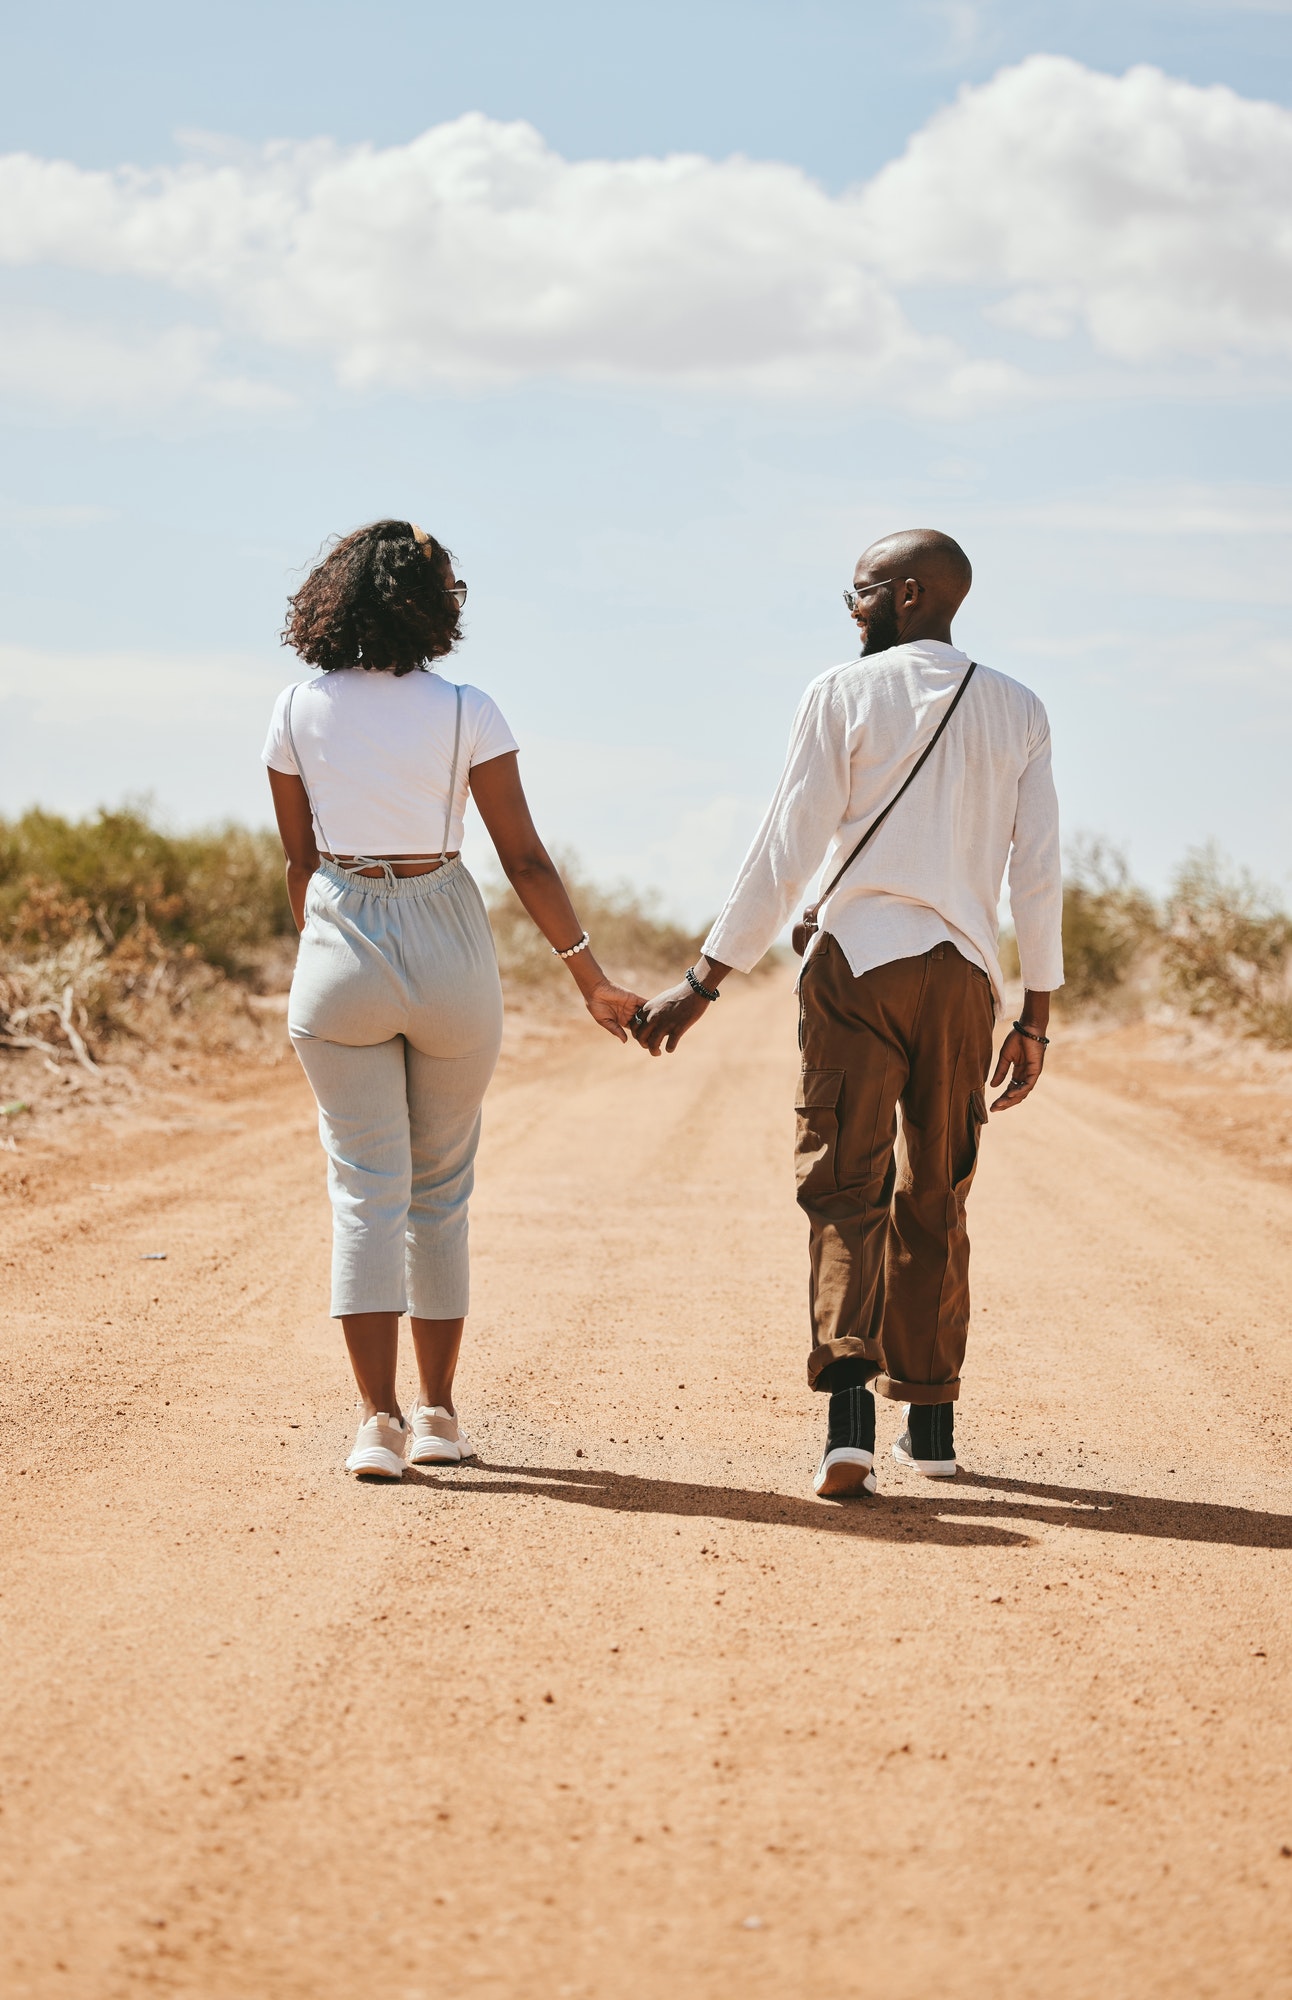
(296, 831)
(500, 796)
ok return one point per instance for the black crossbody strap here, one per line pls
(907, 782)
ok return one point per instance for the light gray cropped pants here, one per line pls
(396, 1015)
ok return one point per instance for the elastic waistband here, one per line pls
(411, 888)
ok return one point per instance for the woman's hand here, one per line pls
(612, 1007)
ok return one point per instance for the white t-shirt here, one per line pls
(377, 750)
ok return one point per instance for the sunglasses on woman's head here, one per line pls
(457, 588)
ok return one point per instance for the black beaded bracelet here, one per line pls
(705, 992)
(1031, 1035)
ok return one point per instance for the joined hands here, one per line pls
(614, 1008)
(657, 1024)
(660, 1024)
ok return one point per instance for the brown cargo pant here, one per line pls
(889, 1247)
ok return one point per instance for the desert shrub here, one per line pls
(221, 891)
(111, 927)
(1110, 925)
(628, 934)
(74, 996)
(1228, 947)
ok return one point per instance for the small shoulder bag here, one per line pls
(805, 929)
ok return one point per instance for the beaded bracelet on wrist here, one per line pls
(1030, 1034)
(575, 949)
(705, 992)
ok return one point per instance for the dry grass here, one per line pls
(632, 941)
(125, 950)
(1218, 950)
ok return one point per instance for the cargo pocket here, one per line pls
(967, 1163)
(817, 1138)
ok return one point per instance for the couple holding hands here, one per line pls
(396, 1008)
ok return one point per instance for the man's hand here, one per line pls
(1022, 1054)
(1026, 1060)
(664, 1020)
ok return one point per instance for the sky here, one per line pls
(656, 318)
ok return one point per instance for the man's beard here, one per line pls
(881, 628)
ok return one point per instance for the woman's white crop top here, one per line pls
(377, 751)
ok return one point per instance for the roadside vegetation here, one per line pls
(1218, 948)
(632, 939)
(116, 934)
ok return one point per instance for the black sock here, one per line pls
(852, 1419)
(853, 1372)
(932, 1430)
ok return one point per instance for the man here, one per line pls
(900, 987)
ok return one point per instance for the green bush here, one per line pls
(221, 891)
(1109, 924)
(630, 938)
(1110, 928)
(1229, 947)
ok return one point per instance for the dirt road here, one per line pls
(624, 1712)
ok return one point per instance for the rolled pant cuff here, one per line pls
(821, 1356)
(923, 1393)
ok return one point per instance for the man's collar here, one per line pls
(945, 655)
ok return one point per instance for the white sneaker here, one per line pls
(845, 1472)
(379, 1448)
(932, 1468)
(438, 1438)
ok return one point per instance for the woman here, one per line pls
(396, 1009)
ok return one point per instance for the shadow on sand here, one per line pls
(950, 1514)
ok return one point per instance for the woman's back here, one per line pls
(375, 751)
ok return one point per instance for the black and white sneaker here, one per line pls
(847, 1466)
(927, 1444)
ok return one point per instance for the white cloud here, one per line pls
(54, 514)
(1152, 669)
(1242, 512)
(82, 728)
(478, 255)
(75, 366)
(1168, 544)
(963, 26)
(1147, 212)
(136, 689)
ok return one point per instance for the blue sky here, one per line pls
(908, 272)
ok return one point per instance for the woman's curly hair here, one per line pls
(378, 600)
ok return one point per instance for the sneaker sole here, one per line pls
(375, 1464)
(931, 1468)
(848, 1475)
(434, 1451)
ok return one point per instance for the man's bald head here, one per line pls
(909, 586)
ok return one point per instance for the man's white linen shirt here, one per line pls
(934, 870)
